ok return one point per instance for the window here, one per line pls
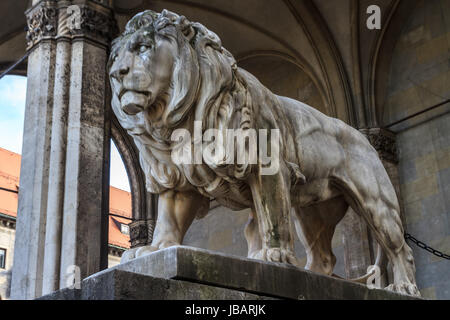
(2, 258)
(125, 229)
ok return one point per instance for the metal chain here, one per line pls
(422, 245)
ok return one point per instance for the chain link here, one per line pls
(422, 245)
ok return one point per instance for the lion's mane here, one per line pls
(206, 86)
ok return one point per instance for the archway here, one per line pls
(143, 203)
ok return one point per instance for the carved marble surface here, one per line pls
(51, 20)
(168, 73)
(41, 23)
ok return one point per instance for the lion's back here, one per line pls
(323, 140)
(308, 119)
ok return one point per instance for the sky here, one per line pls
(12, 109)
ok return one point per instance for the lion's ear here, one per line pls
(186, 27)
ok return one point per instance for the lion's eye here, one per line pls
(143, 48)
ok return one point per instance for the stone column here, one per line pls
(141, 232)
(52, 254)
(30, 228)
(64, 202)
(141, 229)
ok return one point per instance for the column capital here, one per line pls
(141, 232)
(72, 20)
(96, 23)
(42, 22)
(383, 141)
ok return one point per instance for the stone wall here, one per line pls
(425, 183)
(419, 78)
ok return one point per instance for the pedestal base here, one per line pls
(189, 273)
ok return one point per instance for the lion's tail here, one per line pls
(379, 262)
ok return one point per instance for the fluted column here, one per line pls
(52, 254)
(29, 246)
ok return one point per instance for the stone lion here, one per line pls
(167, 73)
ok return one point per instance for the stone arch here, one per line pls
(143, 202)
(333, 75)
(381, 59)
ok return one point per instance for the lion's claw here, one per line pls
(128, 255)
(144, 250)
(275, 255)
(404, 288)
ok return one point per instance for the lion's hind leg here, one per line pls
(371, 194)
(315, 227)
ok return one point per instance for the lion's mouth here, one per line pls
(124, 91)
(134, 101)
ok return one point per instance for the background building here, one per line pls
(391, 83)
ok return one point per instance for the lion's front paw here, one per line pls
(128, 255)
(144, 250)
(136, 253)
(275, 255)
(404, 288)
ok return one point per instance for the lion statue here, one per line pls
(169, 74)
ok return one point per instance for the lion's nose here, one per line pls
(120, 71)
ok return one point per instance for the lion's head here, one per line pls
(162, 67)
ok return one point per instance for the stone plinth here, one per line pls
(117, 284)
(189, 273)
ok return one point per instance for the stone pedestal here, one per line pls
(189, 273)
